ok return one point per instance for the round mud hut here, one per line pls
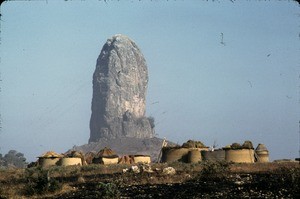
(72, 158)
(173, 154)
(194, 156)
(106, 156)
(240, 153)
(49, 159)
(189, 152)
(141, 159)
(215, 155)
(262, 153)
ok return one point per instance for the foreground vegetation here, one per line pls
(201, 180)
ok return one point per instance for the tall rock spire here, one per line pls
(119, 91)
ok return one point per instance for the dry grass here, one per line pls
(13, 181)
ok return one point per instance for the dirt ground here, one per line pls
(201, 180)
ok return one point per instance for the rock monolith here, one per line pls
(119, 92)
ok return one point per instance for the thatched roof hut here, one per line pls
(106, 156)
(262, 153)
(51, 154)
(49, 158)
(106, 152)
(240, 153)
(141, 159)
(261, 147)
(72, 158)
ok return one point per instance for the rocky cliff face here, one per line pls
(119, 91)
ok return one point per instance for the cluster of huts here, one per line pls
(104, 156)
(195, 151)
(190, 152)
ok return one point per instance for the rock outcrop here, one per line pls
(119, 91)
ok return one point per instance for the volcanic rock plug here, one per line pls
(119, 91)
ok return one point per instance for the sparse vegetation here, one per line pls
(197, 180)
(38, 181)
(108, 190)
(214, 169)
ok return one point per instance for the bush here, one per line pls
(108, 190)
(214, 169)
(39, 182)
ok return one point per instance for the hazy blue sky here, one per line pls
(247, 89)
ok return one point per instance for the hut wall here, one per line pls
(106, 160)
(142, 159)
(70, 161)
(240, 155)
(194, 156)
(263, 156)
(110, 160)
(47, 162)
(175, 154)
(217, 155)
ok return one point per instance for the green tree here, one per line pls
(14, 158)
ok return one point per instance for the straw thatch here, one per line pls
(126, 160)
(193, 144)
(261, 147)
(74, 154)
(106, 152)
(51, 154)
(247, 145)
(236, 146)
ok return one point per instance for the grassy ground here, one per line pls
(190, 181)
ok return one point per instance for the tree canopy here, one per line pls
(13, 159)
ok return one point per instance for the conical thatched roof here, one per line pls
(74, 154)
(106, 152)
(247, 145)
(236, 146)
(193, 144)
(261, 147)
(51, 154)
